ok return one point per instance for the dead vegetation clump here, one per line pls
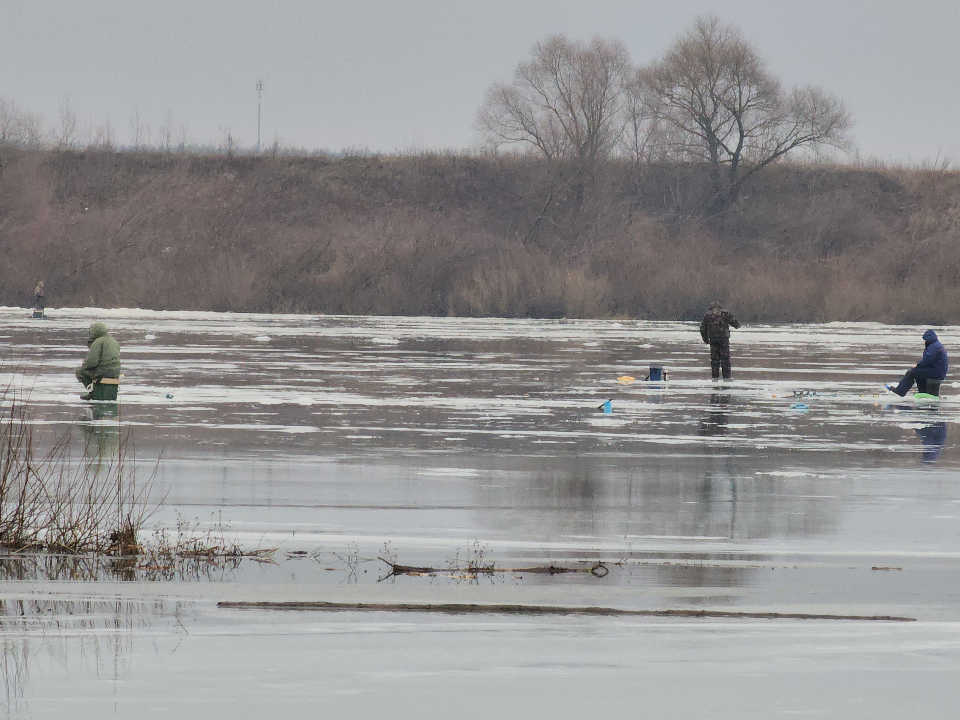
(473, 562)
(56, 503)
(95, 506)
(192, 549)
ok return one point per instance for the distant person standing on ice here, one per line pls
(929, 372)
(39, 301)
(103, 357)
(715, 331)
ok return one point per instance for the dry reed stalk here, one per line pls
(56, 504)
(171, 552)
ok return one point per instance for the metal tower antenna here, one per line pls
(259, 96)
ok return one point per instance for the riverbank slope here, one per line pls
(476, 236)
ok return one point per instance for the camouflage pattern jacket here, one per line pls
(716, 325)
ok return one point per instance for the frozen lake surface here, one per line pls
(800, 487)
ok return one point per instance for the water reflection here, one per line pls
(86, 637)
(697, 574)
(100, 429)
(717, 491)
(41, 566)
(574, 496)
(712, 495)
(715, 420)
(934, 438)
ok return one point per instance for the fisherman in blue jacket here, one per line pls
(927, 373)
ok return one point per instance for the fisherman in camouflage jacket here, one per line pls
(715, 330)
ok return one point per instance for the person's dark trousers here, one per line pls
(720, 358)
(910, 377)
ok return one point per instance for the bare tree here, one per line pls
(565, 102)
(181, 139)
(8, 122)
(166, 133)
(69, 128)
(645, 138)
(720, 105)
(229, 145)
(102, 136)
(31, 129)
(140, 130)
(18, 127)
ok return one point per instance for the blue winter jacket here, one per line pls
(933, 364)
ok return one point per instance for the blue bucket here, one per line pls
(656, 373)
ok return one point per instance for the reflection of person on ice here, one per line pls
(103, 358)
(929, 372)
(715, 330)
(934, 438)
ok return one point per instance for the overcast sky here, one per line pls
(391, 75)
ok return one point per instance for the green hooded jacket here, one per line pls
(103, 358)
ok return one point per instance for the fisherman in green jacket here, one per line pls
(103, 358)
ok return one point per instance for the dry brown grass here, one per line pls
(461, 235)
